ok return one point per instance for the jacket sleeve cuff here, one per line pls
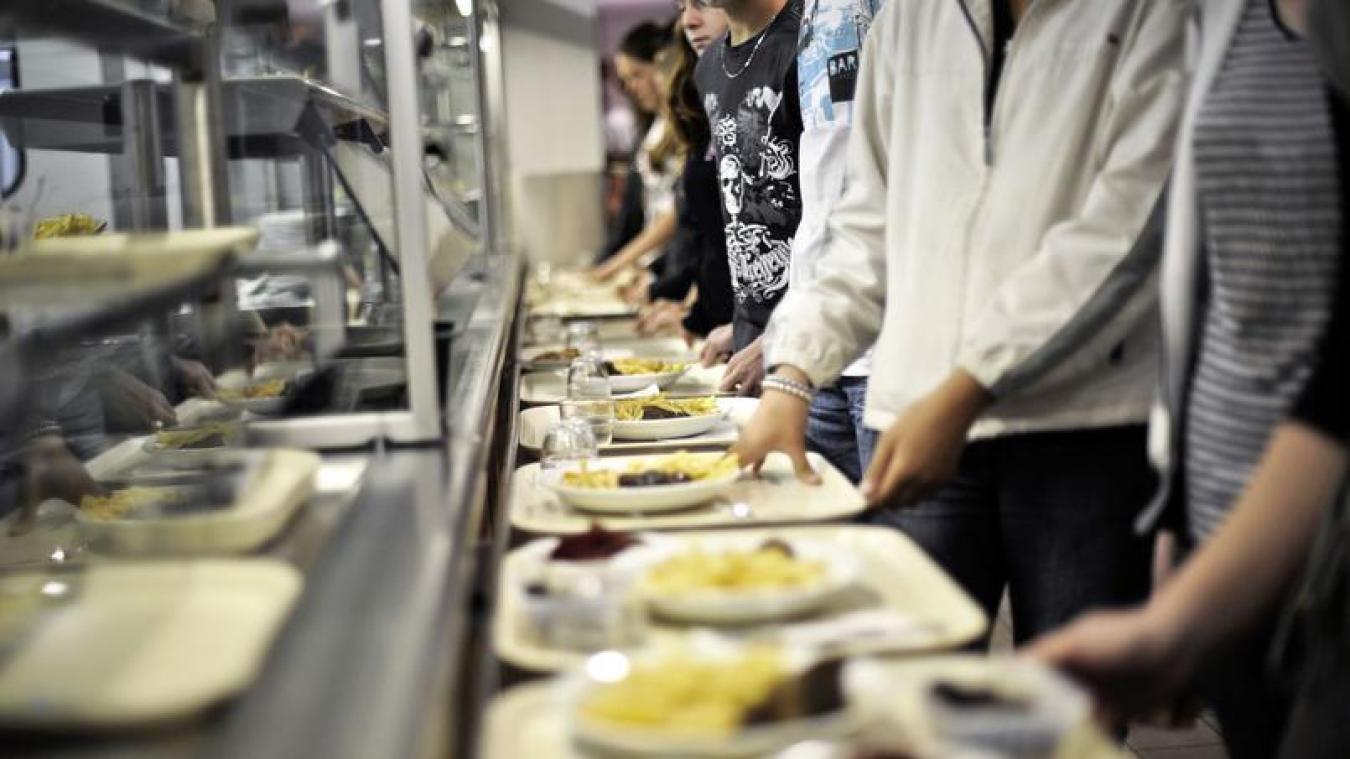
(988, 365)
(820, 361)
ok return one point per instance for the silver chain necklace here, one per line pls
(722, 51)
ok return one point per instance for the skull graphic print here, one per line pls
(757, 171)
(750, 93)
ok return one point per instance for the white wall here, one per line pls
(554, 131)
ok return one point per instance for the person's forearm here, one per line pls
(653, 236)
(1244, 568)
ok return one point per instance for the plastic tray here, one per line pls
(776, 497)
(284, 482)
(131, 644)
(896, 576)
(540, 388)
(531, 721)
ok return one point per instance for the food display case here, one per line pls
(249, 375)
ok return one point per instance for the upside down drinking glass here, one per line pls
(589, 396)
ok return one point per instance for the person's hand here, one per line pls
(778, 424)
(662, 316)
(1133, 662)
(921, 449)
(132, 405)
(718, 346)
(194, 377)
(745, 370)
(52, 471)
(635, 292)
(607, 270)
(284, 342)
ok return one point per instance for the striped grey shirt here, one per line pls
(1269, 199)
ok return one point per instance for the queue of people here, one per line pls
(1062, 287)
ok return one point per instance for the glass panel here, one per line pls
(450, 103)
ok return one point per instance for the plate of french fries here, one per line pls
(634, 484)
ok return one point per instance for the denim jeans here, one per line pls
(1048, 515)
(835, 428)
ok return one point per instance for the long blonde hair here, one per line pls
(686, 125)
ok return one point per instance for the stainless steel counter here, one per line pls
(372, 662)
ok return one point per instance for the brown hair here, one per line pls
(686, 123)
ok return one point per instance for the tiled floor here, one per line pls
(1198, 742)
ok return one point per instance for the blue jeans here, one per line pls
(835, 428)
(1048, 515)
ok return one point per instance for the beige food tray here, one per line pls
(775, 497)
(129, 644)
(541, 388)
(667, 348)
(896, 575)
(283, 484)
(607, 330)
(573, 294)
(530, 721)
(896, 697)
(535, 422)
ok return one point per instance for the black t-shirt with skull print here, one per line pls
(750, 93)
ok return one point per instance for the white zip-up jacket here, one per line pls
(1009, 243)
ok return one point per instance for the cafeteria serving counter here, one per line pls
(373, 659)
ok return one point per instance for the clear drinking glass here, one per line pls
(568, 442)
(584, 337)
(589, 396)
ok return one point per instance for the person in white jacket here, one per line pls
(995, 243)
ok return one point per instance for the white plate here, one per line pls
(728, 607)
(189, 457)
(627, 383)
(759, 740)
(131, 644)
(260, 406)
(535, 421)
(666, 429)
(642, 499)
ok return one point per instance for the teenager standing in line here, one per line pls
(699, 253)
(1004, 161)
(1255, 239)
(748, 81)
(655, 164)
(831, 45)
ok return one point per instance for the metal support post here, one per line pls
(406, 148)
(201, 146)
(144, 204)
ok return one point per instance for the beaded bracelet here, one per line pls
(789, 387)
